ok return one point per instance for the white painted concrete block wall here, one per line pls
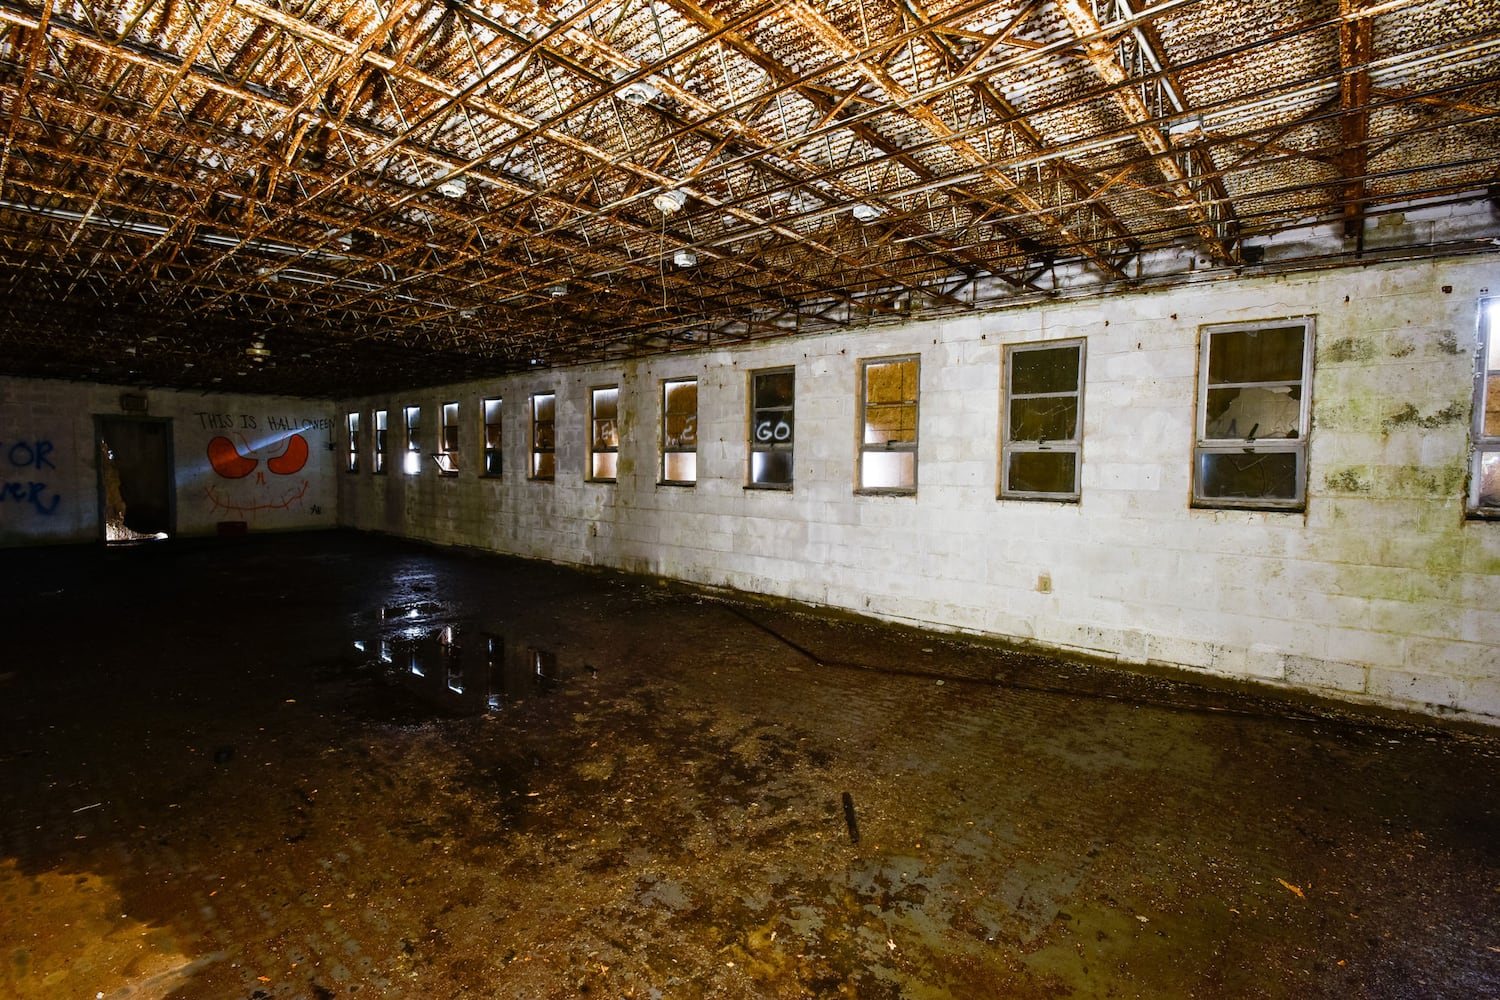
(1379, 591)
(55, 496)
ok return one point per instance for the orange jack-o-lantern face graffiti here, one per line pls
(229, 463)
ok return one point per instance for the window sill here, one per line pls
(676, 482)
(1068, 499)
(885, 493)
(1249, 507)
(770, 487)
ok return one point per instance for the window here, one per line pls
(447, 453)
(1043, 427)
(1253, 410)
(492, 454)
(679, 431)
(380, 441)
(413, 461)
(543, 441)
(604, 432)
(353, 458)
(1484, 478)
(888, 425)
(772, 394)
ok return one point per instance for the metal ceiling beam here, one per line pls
(1356, 51)
(1103, 57)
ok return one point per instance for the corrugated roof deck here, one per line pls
(415, 191)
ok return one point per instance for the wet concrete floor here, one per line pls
(332, 765)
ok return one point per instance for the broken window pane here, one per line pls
(1248, 414)
(1253, 390)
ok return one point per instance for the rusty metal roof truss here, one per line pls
(390, 193)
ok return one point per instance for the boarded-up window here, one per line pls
(679, 431)
(447, 453)
(1043, 427)
(493, 462)
(1484, 485)
(888, 425)
(604, 433)
(1253, 415)
(543, 439)
(413, 458)
(382, 440)
(353, 442)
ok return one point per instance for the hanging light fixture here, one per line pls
(669, 201)
(865, 212)
(258, 351)
(637, 92)
(685, 258)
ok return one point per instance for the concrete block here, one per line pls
(1396, 686)
(1312, 673)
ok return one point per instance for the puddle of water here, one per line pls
(458, 672)
(408, 612)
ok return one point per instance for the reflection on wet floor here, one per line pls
(453, 673)
(741, 801)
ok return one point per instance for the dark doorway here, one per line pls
(135, 478)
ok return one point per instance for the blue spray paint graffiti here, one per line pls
(28, 457)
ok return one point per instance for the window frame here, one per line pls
(351, 428)
(1482, 445)
(1297, 446)
(862, 427)
(380, 440)
(447, 456)
(596, 449)
(669, 447)
(412, 455)
(538, 450)
(1010, 445)
(494, 454)
(771, 445)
